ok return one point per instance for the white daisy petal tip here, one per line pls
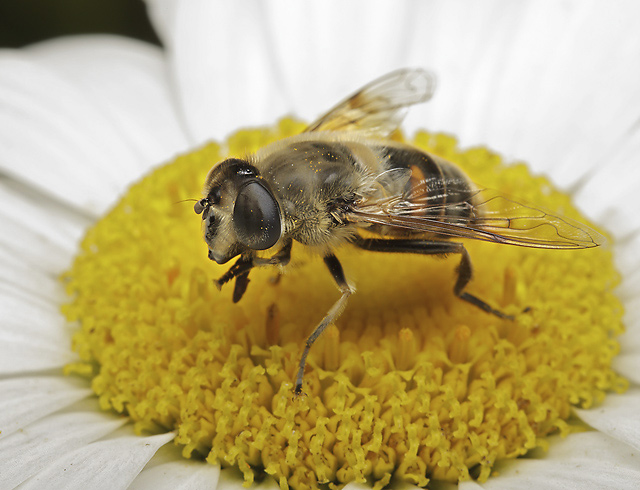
(101, 465)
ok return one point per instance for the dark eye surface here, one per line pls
(256, 217)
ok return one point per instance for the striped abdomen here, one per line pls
(436, 189)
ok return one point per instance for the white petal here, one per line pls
(70, 145)
(547, 81)
(628, 262)
(581, 461)
(245, 64)
(223, 66)
(323, 51)
(178, 475)
(59, 144)
(25, 400)
(609, 193)
(22, 280)
(461, 42)
(631, 277)
(166, 454)
(630, 340)
(38, 232)
(618, 416)
(127, 80)
(33, 336)
(162, 14)
(628, 365)
(356, 486)
(29, 450)
(109, 465)
(31, 247)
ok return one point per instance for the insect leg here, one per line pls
(428, 247)
(338, 275)
(240, 270)
(464, 276)
(240, 287)
(242, 266)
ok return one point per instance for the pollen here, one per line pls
(411, 383)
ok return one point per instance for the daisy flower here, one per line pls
(95, 247)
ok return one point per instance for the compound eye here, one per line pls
(256, 217)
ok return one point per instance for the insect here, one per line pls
(344, 181)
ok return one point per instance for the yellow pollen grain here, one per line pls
(330, 344)
(407, 349)
(411, 384)
(459, 346)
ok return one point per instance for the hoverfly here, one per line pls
(343, 175)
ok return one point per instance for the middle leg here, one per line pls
(335, 268)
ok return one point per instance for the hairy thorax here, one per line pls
(316, 182)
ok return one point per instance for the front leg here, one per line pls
(335, 268)
(240, 270)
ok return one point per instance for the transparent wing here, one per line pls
(455, 210)
(378, 108)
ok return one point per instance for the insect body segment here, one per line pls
(340, 177)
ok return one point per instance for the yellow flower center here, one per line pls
(411, 384)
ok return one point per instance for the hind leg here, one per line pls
(433, 247)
